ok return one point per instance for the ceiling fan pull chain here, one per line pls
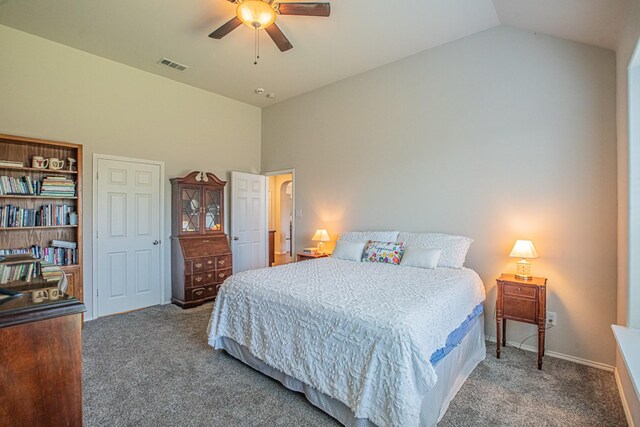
(256, 49)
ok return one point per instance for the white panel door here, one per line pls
(248, 221)
(128, 235)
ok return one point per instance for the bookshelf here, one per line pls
(22, 149)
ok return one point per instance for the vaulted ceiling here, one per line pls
(358, 36)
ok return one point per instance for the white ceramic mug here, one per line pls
(56, 164)
(54, 294)
(39, 295)
(39, 162)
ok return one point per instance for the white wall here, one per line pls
(628, 201)
(55, 92)
(627, 43)
(498, 136)
(628, 170)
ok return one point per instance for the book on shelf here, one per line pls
(11, 163)
(51, 272)
(50, 186)
(19, 186)
(51, 254)
(18, 272)
(12, 216)
(54, 185)
(311, 251)
(17, 257)
(64, 244)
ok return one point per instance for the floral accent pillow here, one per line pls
(385, 252)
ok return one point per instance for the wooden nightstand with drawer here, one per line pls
(304, 256)
(523, 301)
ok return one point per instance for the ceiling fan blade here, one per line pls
(231, 25)
(304, 9)
(278, 37)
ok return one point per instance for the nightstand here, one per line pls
(523, 301)
(303, 257)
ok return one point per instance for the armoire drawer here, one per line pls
(223, 262)
(210, 264)
(201, 292)
(221, 275)
(198, 265)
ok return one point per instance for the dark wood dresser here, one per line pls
(40, 353)
(200, 252)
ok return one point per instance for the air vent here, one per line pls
(172, 64)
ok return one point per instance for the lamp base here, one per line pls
(320, 248)
(523, 270)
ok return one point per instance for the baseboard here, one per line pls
(623, 398)
(557, 355)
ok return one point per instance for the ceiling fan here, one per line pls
(261, 14)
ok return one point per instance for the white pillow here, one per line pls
(365, 236)
(454, 248)
(351, 251)
(420, 257)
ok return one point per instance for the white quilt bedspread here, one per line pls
(361, 333)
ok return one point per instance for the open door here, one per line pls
(248, 221)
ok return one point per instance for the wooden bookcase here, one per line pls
(22, 149)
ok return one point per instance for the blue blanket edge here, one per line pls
(457, 335)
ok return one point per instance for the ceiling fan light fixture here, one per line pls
(256, 14)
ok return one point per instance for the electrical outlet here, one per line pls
(552, 318)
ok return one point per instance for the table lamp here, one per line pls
(523, 249)
(320, 237)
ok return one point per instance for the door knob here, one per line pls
(156, 242)
(236, 238)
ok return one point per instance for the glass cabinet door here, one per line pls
(190, 221)
(212, 210)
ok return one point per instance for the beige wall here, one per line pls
(499, 136)
(55, 92)
(628, 41)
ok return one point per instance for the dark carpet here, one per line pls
(154, 368)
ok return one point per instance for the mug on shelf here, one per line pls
(56, 164)
(54, 294)
(39, 295)
(39, 162)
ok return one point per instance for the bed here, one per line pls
(370, 344)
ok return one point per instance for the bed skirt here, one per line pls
(453, 370)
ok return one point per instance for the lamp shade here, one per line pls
(256, 14)
(321, 235)
(524, 249)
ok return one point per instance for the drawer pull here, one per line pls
(198, 292)
(519, 289)
(198, 265)
(221, 275)
(221, 262)
(209, 276)
(198, 279)
(209, 262)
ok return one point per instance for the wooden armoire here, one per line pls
(200, 252)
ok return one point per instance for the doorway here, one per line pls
(128, 220)
(280, 212)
